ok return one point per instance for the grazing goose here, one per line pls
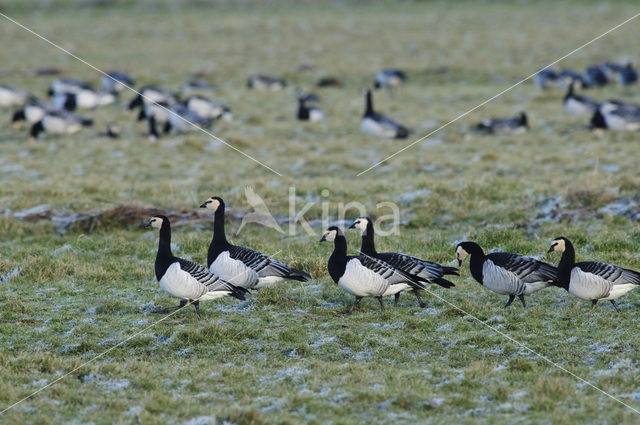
(82, 99)
(308, 113)
(506, 273)
(545, 78)
(379, 125)
(592, 280)
(363, 275)
(265, 82)
(426, 270)
(182, 119)
(389, 78)
(207, 108)
(32, 111)
(617, 115)
(67, 85)
(115, 82)
(11, 97)
(243, 266)
(623, 74)
(516, 125)
(59, 123)
(579, 105)
(184, 279)
(151, 94)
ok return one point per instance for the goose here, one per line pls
(207, 108)
(379, 125)
(151, 94)
(116, 82)
(155, 114)
(82, 99)
(32, 111)
(568, 75)
(182, 119)
(11, 97)
(515, 125)
(184, 279)
(308, 113)
(363, 275)
(265, 82)
(426, 270)
(67, 85)
(579, 105)
(596, 75)
(545, 78)
(617, 115)
(307, 96)
(59, 123)
(389, 78)
(506, 273)
(243, 266)
(592, 280)
(623, 74)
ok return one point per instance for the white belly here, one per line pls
(574, 107)
(619, 290)
(374, 128)
(316, 115)
(266, 281)
(234, 271)
(181, 284)
(33, 114)
(588, 286)
(614, 122)
(530, 288)
(362, 282)
(394, 289)
(500, 280)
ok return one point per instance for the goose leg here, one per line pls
(196, 304)
(511, 298)
(396, 297)
(524, 304)
(355, 303)
(593, 303)
(170, 309)
(615, 304)
(381, 303)
(417, 294)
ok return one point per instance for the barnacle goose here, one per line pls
(243, 266)
(11, 97)
(430, 272)
(592, 280)
(184, 279)
(623, 74)
(389, 78)
(596, 75)
(568, 75)
(59, 123)
(265, 82)
(363, 275)
(516, 125)
(617, 115)
(379, 125)
(577, 104)
(115, 82)
(183, 119)
(67, 85)
(151, 94)
(308, 113)
(208, 108)
(32, 111)
(545, 78)
(506, 273)
(82, 99)
(307, 96)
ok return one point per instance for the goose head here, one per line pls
(157, 221)
(360, 223)
(212, 203)
(331, 234)
(558, 245)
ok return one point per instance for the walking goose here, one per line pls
(577, 104)
(363, 275)
(243, 266)
(184, 279)
(430, 272)
(506, 273)
(59, 123)
(515, 125)
(592, 280)
(379, 125)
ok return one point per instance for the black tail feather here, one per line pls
(444, 283)
(238, 292)
(451, 270)
(299, 275)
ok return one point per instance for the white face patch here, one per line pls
(461, 254)
(212, 204)
(330, 235)
(558, 245)
(156, 222)
(361, 224)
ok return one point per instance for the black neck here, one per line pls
(476, 260)
(338, 260)
(164, 257)
(219, 241)
(368, 245)
(567, 262)
(303, 111)
(369, 108)
(569, 91)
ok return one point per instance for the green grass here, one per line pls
(286, 355)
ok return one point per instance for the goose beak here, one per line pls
(353, 225)
(204, 205)
(550, 249)
(459, 262)
(148, 224)
(322, 239)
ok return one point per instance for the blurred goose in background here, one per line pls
(196, 87)
(307, 96)
(379, 125)
(59, 123)
(151, 94)
(32, 111)
(265, 82)
(506, 273)
(545, 78)
(207, 108)
(306, 112)
(11, 97)
(515, 125)
(623, 74)
(578, 104)
(363, 275)
(184, 279)
(596, 75)
(82, 99)
(617, 115)
(415, 267)
(116, 82)
(67, 85)
(389, 78)
(566, 76)
(592, 280)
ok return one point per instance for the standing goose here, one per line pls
(426, 270)
(506, 273)
(363, 275)
(515, 125)
(59, 123)
(184, 279)
(243, 266)
(577, 104)
(379, 125)
(592, 280)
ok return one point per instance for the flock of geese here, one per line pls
(234, 270)
(165, 111)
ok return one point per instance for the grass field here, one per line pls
(286, 355)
